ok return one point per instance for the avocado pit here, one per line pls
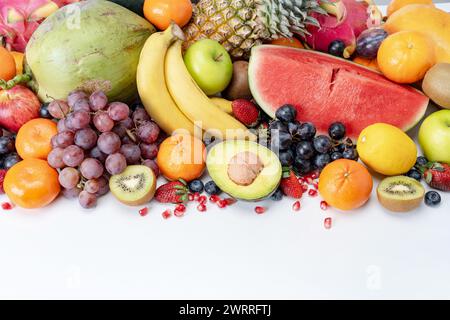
(244, 168)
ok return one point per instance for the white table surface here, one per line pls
(63, 252)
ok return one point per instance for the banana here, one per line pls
(152, 86)
(195, 104)
(223, 104)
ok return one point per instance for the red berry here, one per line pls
(260, 210)
(230, 201)
(309, 180)
(296, 206)
(312, 193)
(315, 175)
(304, 187)
(202, 199)
(178, 214)
(214, 198)
(143, 212)
(7, 206)
(246, 112)
(222, 203)
(323, 205)
(190, 197)
(196, 195)
(327, 223)
(201, 207)
(167, 214)
(181, 208)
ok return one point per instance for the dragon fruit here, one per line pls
(20, 18)
(347, 20)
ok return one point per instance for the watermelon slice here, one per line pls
(325, 89)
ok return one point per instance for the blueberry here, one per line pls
(277, 195)
(415, 174)
(6, 145)
(43, 112)
(286, 157)
(281, 141)
(337, 131)
(322, 144)
(211, 188)
(277, 125)
(307, 131)
(336, 48)
(432, 198)
(336, 156)
(421, 161)
(303, 166)
(305, 150)
(350, 154)
(10, 160)
(196, 186)
(321, 160)
(287, 113)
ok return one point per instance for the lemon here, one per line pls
(386, 149)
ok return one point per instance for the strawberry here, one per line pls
(437, 175)
(2, 177)
(246, 112)
(290, 185)
(172, 192)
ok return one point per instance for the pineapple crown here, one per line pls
(288, 17)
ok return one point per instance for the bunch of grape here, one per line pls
(97, 139)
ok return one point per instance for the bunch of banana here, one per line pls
(173, 99)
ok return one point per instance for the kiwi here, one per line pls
(436, 84)
(239, 87)
(135, 186)
(400, 193)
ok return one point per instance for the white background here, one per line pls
(111, 252)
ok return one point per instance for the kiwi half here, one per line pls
(400, 193)
(135, 186)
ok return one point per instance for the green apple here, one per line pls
(434, 136)
(210, 65)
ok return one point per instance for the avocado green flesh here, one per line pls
(265, 183)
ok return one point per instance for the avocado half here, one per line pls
(244, 169)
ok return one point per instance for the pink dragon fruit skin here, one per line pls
(350, 19)
(20, 18)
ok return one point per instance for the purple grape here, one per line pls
(103, 122)
(82, 105)
(61, 126)
(127, 139)
(139, 116)
(116, 163)
(120, 130)
(149, 151)
(87, 200)
(148, 132)
(75, 96)
(85, 138)
(97, 154)
(127, 123)
(53, 142)
(103, 186)
(109, 142)
(58, 109)
(152, 165)
(91, 168)
(118, 111)
(55, 158)
(78, 120)
(69, 178)
(73, 156)
(71, 193)
(131, 152)
(98, 100)
(64, 139)
(92, 186)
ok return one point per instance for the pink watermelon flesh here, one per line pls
(325, 89)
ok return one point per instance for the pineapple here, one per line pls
(239, 25)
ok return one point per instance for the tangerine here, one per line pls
(7, 66)
(161, 12)
(34, 138)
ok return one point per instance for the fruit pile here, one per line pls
(313, 99)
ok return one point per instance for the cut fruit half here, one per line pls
(400, 193)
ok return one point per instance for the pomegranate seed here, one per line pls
(323, 205)
(296, 206)
(167, 214)
(143, 212)
(222, 203)
(178, 213)
(315, 175)
(196, 195)
(302, 180)
(327, 223)
(312, 193)
(202, 199)
(315, 185)
(201, 207)
(260, 210)
(190, 197)
(309, 180)
(7, 206)
(214, 198)
(181, 207)
(230, 201)
(304, 187)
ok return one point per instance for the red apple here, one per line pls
(17, 106)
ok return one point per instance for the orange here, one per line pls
(182, 157)
(161, 12)
(18, 58)
(369, 63)
(34, 138)
(345, 184)
(288, 42)
(398, 4)
(31, 183)
(406, 56)
(7, 65)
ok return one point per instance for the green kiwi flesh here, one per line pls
(400, 193)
